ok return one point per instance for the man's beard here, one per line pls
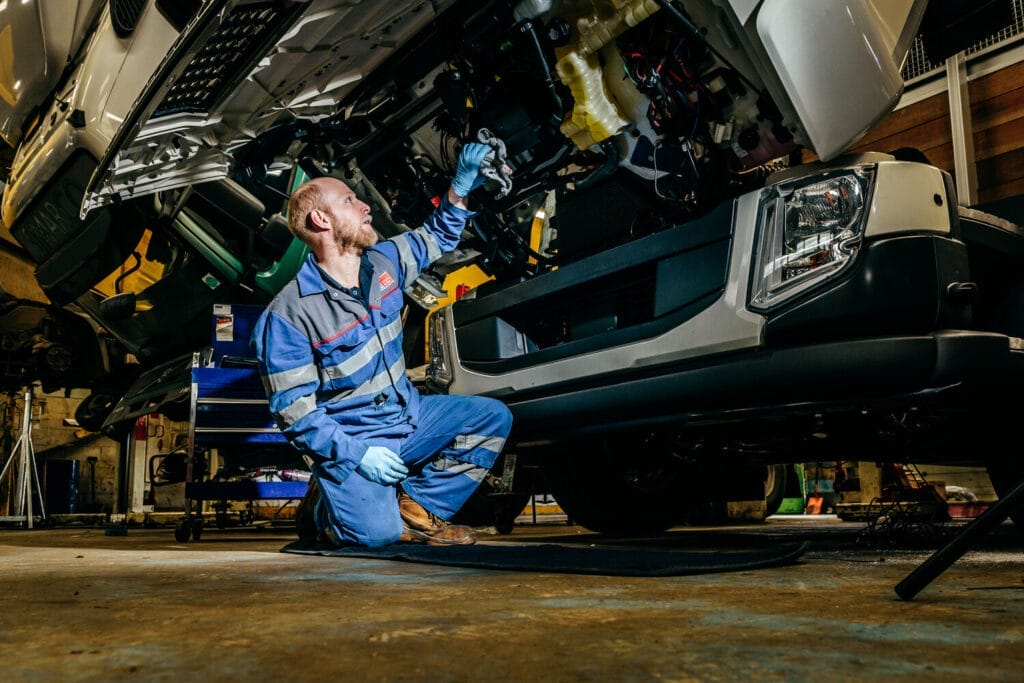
(360, 237)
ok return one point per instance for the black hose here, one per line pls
(125, 274)
(528, 28)
(611, 162)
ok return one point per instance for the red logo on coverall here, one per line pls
(385, 280)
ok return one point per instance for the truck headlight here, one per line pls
(810, 230)
(439, 372)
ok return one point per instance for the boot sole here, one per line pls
(414, 536)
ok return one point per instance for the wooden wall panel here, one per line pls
(941, 156)
(928, 137)
(996, 111)
(931, 110)
(997, 116)
(1008, 189)
(997, 83)
(924, 125)
(1001, 169)
(990, 142)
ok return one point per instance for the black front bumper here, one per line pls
(952, 372)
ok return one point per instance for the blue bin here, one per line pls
(61, 486)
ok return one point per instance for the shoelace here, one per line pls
(436, 521)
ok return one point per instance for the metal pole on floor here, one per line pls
(26, 468)
(943, 558)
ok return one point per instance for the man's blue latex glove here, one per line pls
(467, 175)
(381, 465)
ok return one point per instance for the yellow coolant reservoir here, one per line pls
(595, 115)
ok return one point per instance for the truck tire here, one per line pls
(487, 507)
(776, 479)
(619, 486)
(492, 509)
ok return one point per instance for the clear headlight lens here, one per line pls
(438, 370)
(810, 229)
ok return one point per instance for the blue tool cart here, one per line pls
(229, 417)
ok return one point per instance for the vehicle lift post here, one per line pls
(27, 472)
(943, 558)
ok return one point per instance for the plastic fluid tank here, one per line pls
(595, 115)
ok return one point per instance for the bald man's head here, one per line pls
(329, 204)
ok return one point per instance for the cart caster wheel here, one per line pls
(197, 529)
(182, 532)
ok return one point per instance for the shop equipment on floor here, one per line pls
(230, 422)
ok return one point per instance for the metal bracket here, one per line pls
(507, 479)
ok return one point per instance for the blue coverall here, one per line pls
(334, 372)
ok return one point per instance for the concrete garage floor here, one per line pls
(78, 605)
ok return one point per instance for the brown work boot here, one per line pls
(305, 518)
(420, 526)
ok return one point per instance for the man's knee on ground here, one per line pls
(370, 530)
(377, 533)
(380, 542)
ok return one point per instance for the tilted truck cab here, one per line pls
(677, 293)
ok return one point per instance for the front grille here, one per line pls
(238, 45)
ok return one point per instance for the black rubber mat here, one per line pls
(570, 559)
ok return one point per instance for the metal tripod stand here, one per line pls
(24, 454)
